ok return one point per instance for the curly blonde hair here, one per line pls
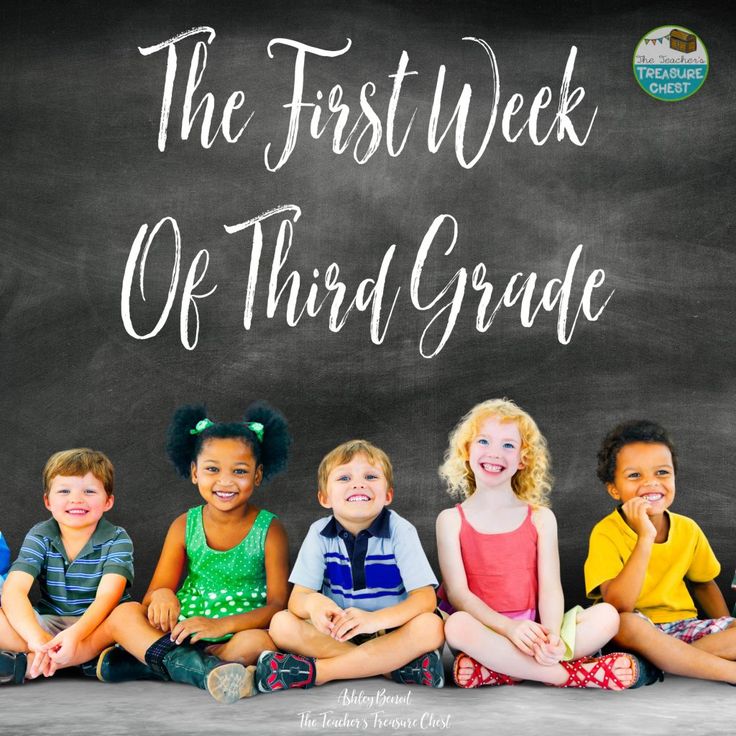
(532, 483)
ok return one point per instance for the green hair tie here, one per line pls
(201, 425)
(256, 428)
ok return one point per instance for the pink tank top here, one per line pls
(501, 569)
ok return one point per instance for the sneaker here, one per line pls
(425, 670)
(12, 667)
(648, 673)
(280, 671)
(230, 682)
(116, 665)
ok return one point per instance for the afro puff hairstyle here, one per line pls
(272, 453)
(637, 430)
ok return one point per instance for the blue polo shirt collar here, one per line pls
(379, 527)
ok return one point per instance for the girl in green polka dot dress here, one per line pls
(234, 554)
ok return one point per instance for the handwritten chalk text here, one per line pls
(360, 125)
(293, 295)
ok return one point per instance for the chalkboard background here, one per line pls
(649, 196)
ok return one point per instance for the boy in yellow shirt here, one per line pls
(641, 555)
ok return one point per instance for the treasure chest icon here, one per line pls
(683, 42)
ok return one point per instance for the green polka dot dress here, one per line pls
(223, 583)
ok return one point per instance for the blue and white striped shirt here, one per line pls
(376, 569)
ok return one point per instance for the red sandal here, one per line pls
(580, 676)
(477, 678)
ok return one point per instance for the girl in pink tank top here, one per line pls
(500, 565)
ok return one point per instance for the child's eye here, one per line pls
(240, 471)
(63, 491)
(211, 468)
(371, 476)
(482, 441)
(344, 478)
(633, 476)
(508, 445)
(90, 491)
(663, 471)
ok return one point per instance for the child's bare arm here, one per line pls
(551, 599)
(462, 599)
(277, 586)
(354, 621)
(312, 605)
(623, 591)
(19, 611)
(160, 598)
(710, 599)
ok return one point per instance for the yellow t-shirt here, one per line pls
(664, 596)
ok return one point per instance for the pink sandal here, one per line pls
(580, 676)
(477, 678)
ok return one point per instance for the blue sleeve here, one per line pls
(414, 566)
(309, 568)
(4, 555)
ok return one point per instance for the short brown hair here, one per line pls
(345, 452)
(79, 461)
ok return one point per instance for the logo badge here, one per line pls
(670, 63)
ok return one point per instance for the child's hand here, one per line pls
(551, 652)
(525, 634)
(42, 664)
(354, 621)
(62, 648)
(636, 512)
(198, 627)
(163, 610)
(323, 613)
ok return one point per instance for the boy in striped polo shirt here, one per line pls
(363, 600)
(84, 567)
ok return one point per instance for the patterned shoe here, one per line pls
(598, 671)
(480, 675)
(230, 682)
(280, 671)
(425, 670)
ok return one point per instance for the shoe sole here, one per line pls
(230, 682)
(100, 663)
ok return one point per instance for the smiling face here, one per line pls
(356, 491)
(77, 502)
(495, 453)
(226, 473)
(644, 470)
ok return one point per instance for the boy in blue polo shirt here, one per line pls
(363, 600)
(84, 567)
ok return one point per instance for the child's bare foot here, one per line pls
(468, 673)
(617, 671)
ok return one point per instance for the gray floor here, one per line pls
(69, 706)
